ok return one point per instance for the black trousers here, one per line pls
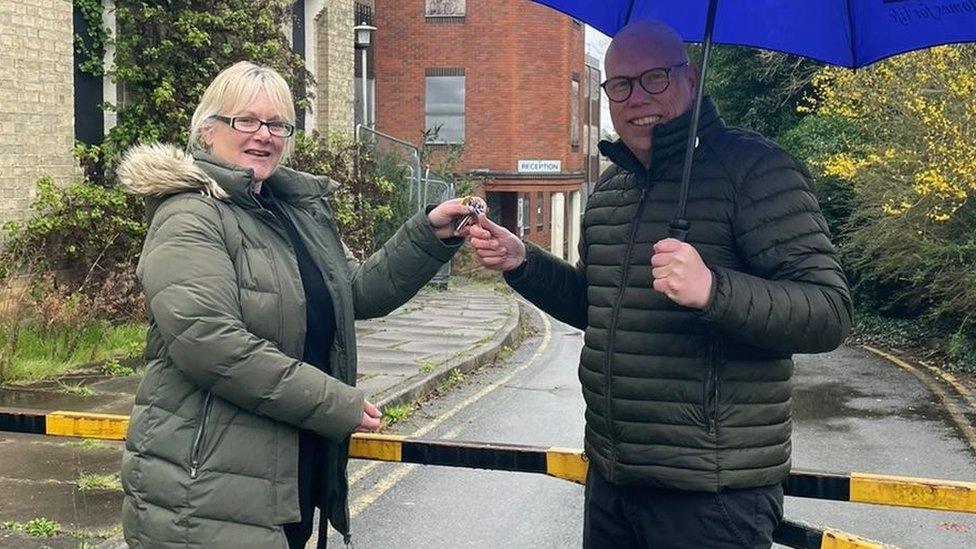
(622, 517)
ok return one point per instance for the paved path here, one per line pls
(401, 357)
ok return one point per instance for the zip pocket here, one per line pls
(710, 388)
(198, 439)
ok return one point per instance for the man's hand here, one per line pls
(371, 417)
(495, 247)
(444, 218)
(680, 273)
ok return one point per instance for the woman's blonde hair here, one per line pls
(232, 90)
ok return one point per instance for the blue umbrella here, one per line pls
(848, 33)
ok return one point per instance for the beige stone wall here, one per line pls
(36, 99)
(334, 96)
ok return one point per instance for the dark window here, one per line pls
(444, 110)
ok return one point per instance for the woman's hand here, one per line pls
(371, 417)
(444, 219)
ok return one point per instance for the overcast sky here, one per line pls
(596, 46)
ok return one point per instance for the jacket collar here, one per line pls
(287, 184)
(669, 140)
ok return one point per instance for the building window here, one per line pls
(444, 8)
(574, 114)
(539, 220)
(445, 106)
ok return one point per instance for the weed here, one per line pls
(92, 482)
(426, 366)
(115, 368)
(76, 389)
(504, 353)
(456, 376)
(394, 414)
(38, 527)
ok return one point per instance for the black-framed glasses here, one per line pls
(654, 81)
(249, 124)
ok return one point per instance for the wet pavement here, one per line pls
(856, 412)
(401, 356)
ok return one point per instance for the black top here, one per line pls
(319, 336)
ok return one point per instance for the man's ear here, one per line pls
(694, 73)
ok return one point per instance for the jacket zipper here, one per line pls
(710, 392)
(198, 439)
(635, 225)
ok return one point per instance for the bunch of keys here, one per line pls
(477, 206)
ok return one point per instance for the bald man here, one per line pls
(687, 358)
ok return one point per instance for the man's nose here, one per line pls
(638, 95)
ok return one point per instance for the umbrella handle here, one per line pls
(680, 224)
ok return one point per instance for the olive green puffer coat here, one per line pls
(211, 458)
(684, 399)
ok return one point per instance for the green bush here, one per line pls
(372, 199)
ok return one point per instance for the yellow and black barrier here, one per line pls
(570, 464)
(65, 424)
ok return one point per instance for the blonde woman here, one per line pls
(241, 424)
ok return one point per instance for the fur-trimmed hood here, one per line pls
(158, 170)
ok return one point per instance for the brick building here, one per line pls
(508, 79)
(46, 103)
(36, 99)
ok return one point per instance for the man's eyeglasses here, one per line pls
(654, 81)
(249, 124)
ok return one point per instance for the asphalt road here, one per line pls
(853, 412)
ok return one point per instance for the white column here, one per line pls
(109, 89)
(312, 10)
(574, 227)
(557, 212)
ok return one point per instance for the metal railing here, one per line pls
(422, 185)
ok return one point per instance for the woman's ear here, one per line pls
(206, 135)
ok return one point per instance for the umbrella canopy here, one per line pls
(848, 33)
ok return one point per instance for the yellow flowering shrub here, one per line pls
(917, 111)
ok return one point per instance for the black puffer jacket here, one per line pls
(677, 398)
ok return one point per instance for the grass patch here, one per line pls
(76, 389)
(39, 527)
(93, 482)
(426, 366)
(42, 351)
(394, 414)
(88, 444)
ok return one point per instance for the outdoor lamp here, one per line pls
(364, 36)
